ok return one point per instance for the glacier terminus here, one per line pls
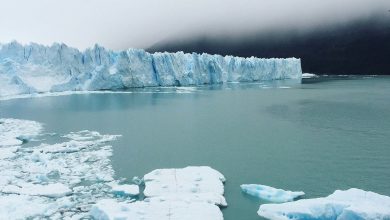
(35, 68)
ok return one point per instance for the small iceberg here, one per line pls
(309, 75)
(270, 194)
(341, 205)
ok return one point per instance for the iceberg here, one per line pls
(341, 205)
(269, 193)
(200, 183)
(108, 209)
(186, 193)
(309, 75)
(34, 68)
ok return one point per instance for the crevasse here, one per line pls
(37, 68)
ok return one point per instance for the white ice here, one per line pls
(14, 131)
(189, 184)
(110, 209)
(309, 75)
(269, 193)
(49, 190)
(341, 205)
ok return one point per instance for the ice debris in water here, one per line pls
(14, 131)
(187, 193)
(341, 205)
(33, 68)
(52, 181)
(137, 180)
(125, 189)
(269, 193)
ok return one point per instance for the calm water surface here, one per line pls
(317, 137)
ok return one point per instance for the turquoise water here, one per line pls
(326, 134)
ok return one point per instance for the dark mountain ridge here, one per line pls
(359, 47)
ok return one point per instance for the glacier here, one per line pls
(35, 68)
(270, 194)
(341, 205)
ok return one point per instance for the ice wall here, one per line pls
(36, 68)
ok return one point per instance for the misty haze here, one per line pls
(189, 110)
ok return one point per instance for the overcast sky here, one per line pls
(118, 24)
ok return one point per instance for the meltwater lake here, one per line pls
(324, 134)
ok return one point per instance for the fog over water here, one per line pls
(119, 24)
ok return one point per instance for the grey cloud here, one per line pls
(119, 24)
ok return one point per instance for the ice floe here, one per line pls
(341, 205)
(14, 131)
(187, 193)
(54, 190)
(167, 210)
(190, 183)
(269, 193)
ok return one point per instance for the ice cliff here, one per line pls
(34, 68)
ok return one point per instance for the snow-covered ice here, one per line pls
(49, 190)
(14, 131)
(341, 205)
(269, 193)
(167, 210)
(189, 184)
(34, 68)
(186, 193)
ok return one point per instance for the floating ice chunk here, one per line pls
(341, 205)
(269, 193)
(308, 75)
(137, 180)
(199, 183)
(14, 131)
(169, 210)
(50, 190)
(125, 190)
